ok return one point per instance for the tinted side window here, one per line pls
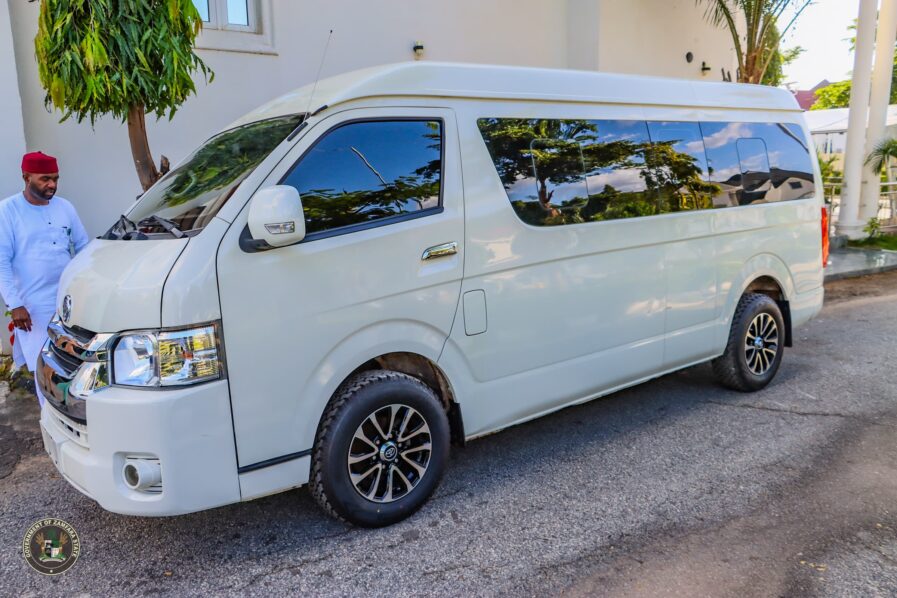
(619, 182)
(790, 162)
(677, 167)
(723, 165)
(754, 162)
(367, 171)
(539, 162)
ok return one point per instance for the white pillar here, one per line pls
(886, 34)
(848, 217)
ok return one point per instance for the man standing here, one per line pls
(39, 235)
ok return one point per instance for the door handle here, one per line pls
(440, 251)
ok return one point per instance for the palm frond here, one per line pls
(881, 153)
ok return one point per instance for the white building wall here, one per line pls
(637, 36)
(13, 133)
(652, 37)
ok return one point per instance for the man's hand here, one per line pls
(21, 318)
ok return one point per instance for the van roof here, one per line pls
(458, 80)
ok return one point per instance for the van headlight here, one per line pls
(167, 358)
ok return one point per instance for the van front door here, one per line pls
(379, 187)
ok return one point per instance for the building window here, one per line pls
(237, 15)
(236, 25)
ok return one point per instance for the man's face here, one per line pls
(42, 185)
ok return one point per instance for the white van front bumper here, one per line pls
(188, 430)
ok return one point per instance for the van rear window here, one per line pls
(571, 171)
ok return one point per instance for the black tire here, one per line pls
(347, 415)
(747, 364)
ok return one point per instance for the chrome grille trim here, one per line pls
(60, 363)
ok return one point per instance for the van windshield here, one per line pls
(189, 196)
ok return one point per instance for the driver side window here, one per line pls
(369, 173)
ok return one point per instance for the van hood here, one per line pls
(117, 285)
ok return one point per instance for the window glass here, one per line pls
(790, 165)
(755, 175)
(570, 171)
(203, 7)
(540, 164)
(367, 171)
(191, 194)
(722, 160)
(676, 166)
(238, 12)
(616, 175)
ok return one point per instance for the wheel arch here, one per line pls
(768, 275)
(428, 372)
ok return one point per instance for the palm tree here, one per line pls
(882, 155)
(760, 43)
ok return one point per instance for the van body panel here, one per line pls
(275, 478)
(337, 302)
(191, 290)
(117, 285)
(513, 84)
(199, 470)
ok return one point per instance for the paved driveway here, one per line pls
(675, 487)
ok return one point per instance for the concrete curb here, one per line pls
(859, 269)
(858, 273)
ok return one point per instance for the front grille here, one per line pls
(68, 360)
(62, 356)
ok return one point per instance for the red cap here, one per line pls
(39, 163)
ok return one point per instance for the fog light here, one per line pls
(143, 475)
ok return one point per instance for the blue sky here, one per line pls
(822, 31)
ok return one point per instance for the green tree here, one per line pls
(775, 74)
(837, 95)
(759, 45)
(121, 58)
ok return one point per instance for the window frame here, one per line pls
(352, 228)
(256, 38)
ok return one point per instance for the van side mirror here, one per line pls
(276, 216)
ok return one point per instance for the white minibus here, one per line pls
(353, 277)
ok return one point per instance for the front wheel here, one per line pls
(380, 450)
(756, 342)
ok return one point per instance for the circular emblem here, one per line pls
(51, 546)
(389, 451)
(66, 308)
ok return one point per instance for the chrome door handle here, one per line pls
(440, 251)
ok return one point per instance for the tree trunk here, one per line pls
(140, 150)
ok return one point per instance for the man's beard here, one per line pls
(45, 195)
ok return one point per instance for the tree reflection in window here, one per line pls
(570, 171)
(367, 171)
(191, 194)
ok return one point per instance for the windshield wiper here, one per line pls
(166, 224)
(123, 229)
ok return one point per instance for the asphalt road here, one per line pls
(673, 488)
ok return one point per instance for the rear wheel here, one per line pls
(756, 342)
(380, 450)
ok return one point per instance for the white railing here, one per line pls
(887, 202)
